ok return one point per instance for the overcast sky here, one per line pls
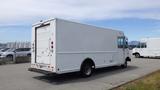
(137, 18)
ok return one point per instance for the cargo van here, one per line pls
(61, 46)
(148, 47)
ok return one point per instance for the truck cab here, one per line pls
(139, 49)
(123, 48)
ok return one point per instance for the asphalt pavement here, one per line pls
(17, 77)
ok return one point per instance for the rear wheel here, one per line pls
(86, 69)
(137, 55)
(10, 57)
(28, 55)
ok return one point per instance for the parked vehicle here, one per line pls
(60, 46)
(4, 49)
(148, 47)
(13, 53)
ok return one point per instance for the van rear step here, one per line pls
(40, 71)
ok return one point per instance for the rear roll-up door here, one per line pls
(36, 29)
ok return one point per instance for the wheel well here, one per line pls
(136, 53)
(28, 54)
(9, 55)
(128, 59)
(87, 60)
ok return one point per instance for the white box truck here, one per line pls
(148, 47)
(61, 46)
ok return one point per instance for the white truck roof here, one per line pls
(45, 21)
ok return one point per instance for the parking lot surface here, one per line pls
(17, 77)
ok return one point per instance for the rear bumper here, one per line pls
(40, 71)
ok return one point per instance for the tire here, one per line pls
(86, 70)
(137, 55)
(28, 55)
(125, 65)
(10, 57)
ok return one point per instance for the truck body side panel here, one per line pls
(62, 46)
(75, 42)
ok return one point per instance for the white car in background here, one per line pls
(13, 53)
(3, 49)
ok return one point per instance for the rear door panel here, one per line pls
(43, 39)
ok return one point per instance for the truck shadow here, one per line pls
(75, 77)
(149, 58)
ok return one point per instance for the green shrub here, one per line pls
(22, 59)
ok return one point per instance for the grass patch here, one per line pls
(149, 82)
(5, 61)
(22, 59)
